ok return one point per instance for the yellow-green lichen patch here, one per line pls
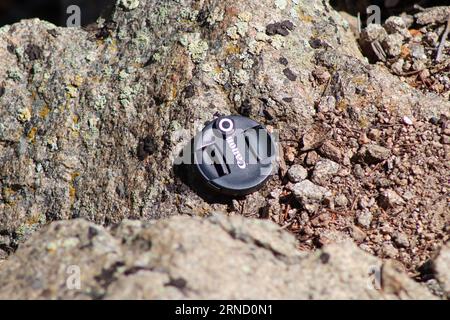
(44, 112)
(92, 122)
(128, 93)
(198, 50)
(141, 40)
(232, 48)
(91, 56)
(277, 41)
(52, 143)
(5, 29)
(241, 77)
(72, 92)
(247, 61)
(240, 28)
(123, 75)
(162, 15)
(66, 243)
(129, 4)
(217, 15)
(30, 226)
(8, 195)
(24, 115)
(188, 16)
(14, 74)
(281, 4)
(77, 81)
(232, 33)
(219, 74)
(72, 189)
(32, 135)
(302, 16)
(100, 102)
(196, 46)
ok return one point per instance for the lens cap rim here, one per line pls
(236, 183)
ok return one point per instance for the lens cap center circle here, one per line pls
(226, 125)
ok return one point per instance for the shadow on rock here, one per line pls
(189, 175)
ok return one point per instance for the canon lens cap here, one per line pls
(234, 155)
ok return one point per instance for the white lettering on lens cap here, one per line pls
(234, 149)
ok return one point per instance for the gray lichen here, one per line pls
(129, 4)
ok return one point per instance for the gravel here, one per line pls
(373, 154)
(341, 201)
(410, 49)
(389, 250)
(308, 192)
(396, 25)
(401, 239)
(331, 151)
(324, 170)
(297, 173)
(373, 32)
(390, 199)
(365, 218)
(392, 44)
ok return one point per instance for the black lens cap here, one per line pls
(234, 155)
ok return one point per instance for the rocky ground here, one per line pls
(414, 47)
(91, 120)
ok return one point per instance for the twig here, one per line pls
(419, 7)
(444, 39)
(242, 207)
(407, 74)
(287, 225)
(377, 166)
(378, 50)
(441, 66)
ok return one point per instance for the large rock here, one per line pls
(191, 258)
(91, 120)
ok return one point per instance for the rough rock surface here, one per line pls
(442, 268)
(92, 119)
(193, 258)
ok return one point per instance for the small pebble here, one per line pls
(406, 120)
(297, 173)
(365, 218)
